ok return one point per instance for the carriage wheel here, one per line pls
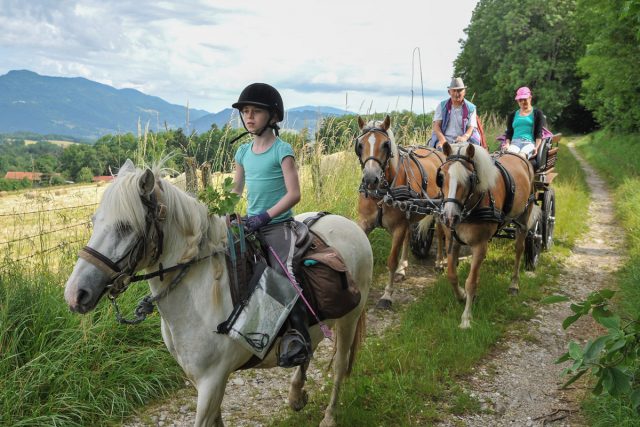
(533, 246)
(548, 218)
(420, 245)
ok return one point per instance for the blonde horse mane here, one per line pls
(485, 169)
(186, 217)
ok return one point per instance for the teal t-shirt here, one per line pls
(523, 126)
(263, 177)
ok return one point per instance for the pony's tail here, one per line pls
(358, 339)
(425, 224)
(536, 214)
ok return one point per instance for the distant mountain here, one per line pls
(298, 118)
(81, 108)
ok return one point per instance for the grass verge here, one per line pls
(615, 157)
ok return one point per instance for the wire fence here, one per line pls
(42, 237)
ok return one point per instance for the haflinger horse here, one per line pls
(144, 222)
(482, 194)
(391, 170)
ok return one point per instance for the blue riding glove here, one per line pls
(254, 222)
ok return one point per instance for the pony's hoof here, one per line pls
(398, 277)
(465, 324)
(300, 403)
(384, 304)
(513, 291)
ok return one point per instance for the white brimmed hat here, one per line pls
(456, 83)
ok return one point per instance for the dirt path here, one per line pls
(518, 383)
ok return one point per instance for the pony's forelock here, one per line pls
(186, 218)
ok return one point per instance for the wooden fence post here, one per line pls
(205, 172)
(191, 175)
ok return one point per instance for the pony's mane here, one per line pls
(392, 138)
(485, 168)
(186, 218)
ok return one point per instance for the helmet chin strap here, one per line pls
(270, 125)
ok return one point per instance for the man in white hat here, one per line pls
(455, 119)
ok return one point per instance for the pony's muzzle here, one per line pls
(450, 215)
(371, 181)
(81, 297)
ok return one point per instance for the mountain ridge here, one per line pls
(83, 108)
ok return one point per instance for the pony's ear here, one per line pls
(127, 167)
(470, 151)
(386, 123)
(361, 122)
(446, 149)
(146, 183)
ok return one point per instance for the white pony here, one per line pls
(143, 222)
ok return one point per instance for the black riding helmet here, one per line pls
(264, 96)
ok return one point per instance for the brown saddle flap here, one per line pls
(328, 282)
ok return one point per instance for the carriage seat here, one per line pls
(545, 158)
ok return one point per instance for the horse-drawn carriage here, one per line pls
(478, 196)
(541, 237)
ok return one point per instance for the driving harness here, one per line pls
(472, 212)
(403, 196)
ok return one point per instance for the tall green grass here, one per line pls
(61, 369)
(616, 159)
(408, 376)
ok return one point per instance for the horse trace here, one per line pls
(482, 194)
(144, 223)
(395, 179)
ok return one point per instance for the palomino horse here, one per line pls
(144, 222)
(483, 194)
(400, 173)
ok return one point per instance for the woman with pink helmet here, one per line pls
(524, 126)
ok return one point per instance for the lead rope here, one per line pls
(145, 306)
(323, 327)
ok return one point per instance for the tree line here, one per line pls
(81, 162)
(579, 57)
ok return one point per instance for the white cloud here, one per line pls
(316, 52)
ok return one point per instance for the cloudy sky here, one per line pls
(341, 53)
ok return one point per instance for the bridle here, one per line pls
(121, 272)
(473, 182)
(386, 145)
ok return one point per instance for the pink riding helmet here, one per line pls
(523, 93)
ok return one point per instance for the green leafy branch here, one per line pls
(220, 201)
(611, 358)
